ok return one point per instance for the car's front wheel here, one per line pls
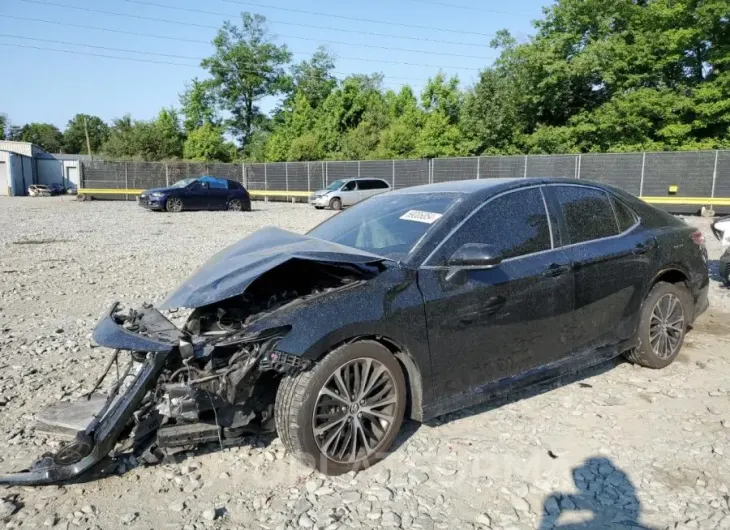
(345, 412)
(174, 204)
(663, 323)
(336, 203)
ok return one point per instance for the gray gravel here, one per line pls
(619, 447)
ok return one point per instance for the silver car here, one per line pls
(346, 192)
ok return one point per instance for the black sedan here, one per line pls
(202, 193)
(411, 304)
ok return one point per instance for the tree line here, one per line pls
(597, 76)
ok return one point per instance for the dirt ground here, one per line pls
(617, 447)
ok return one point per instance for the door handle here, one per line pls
(643, 249)
(556, 269)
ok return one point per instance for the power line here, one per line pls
(356, 19)
(471, 8)
(330, 28)
(344, 74)
(193, 24)
(125, 50)
(198, 41)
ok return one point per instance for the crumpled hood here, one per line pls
(157, 190)
(233, 269)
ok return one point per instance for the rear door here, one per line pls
(486, 326)
(611, 259)
(218, 194)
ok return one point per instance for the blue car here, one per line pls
(202, 193)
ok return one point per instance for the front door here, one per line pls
(196, 196)
(611, 259)
(486, 327)
(350, 193)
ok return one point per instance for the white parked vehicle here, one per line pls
(346, 192)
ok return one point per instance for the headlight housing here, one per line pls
(156, 195)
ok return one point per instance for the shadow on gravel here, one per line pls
(536, 390)
(606, 498)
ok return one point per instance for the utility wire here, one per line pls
(330, 28)
(125, 50)
(193, 24)
(199, 41)
(356, 19)
(471, 8)
(133, 59)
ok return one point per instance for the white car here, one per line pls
(721, 229)
(346, 192)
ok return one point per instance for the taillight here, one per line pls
(698, 238)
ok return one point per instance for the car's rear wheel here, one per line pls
(336, 204)
(235, 205)
(345, 412)
(174, 204)
(663, 323)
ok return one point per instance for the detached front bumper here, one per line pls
(156, 336)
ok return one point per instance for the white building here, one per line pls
(24, 163)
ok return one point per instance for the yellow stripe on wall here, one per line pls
(699, 201)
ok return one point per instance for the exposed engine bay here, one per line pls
(214, 380)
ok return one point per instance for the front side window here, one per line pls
(516, 223)
(588, 213)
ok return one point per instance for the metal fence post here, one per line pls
(167, 175)
(580, 161)
(641, 182)
(126, 181)
(309, 186)
(479, 159)
(326, 174)
(266, 182)
(358, 169)
(243, 175)
(393, 176)
(714, 174)
(524, 176)
(286, 177)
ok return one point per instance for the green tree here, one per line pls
(206, 143)
(198, 105)
(169, 139)
(246, 67)
(74, 137)
(314, 78)
(159, 139)
(3, 125)
(45, 135)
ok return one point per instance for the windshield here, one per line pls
(336, 185)
(182, 183)
(389, 225)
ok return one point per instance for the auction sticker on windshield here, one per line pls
(421, 216)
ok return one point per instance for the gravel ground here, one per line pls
(617, 447)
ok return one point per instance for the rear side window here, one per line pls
(588, 213)
(379, 184)
(516, 223)
(624, 215)
(350, 186)
(233, 185)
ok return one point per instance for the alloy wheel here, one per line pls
(174, 204)
(666, 326)
(235, 205)
(355, 410)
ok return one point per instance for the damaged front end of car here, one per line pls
(214, 380)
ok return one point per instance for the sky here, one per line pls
(164, 40)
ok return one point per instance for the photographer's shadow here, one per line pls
(606, 498)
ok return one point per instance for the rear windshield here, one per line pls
(389, 225)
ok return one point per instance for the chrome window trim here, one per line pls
(637, 221)
(425, 265)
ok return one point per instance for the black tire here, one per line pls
(174, 204)
(336, 203)
(234, 205)
(298, 395)
(645, 354)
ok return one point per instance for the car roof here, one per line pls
(489, 185)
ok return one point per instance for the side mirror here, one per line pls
(476, 256)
